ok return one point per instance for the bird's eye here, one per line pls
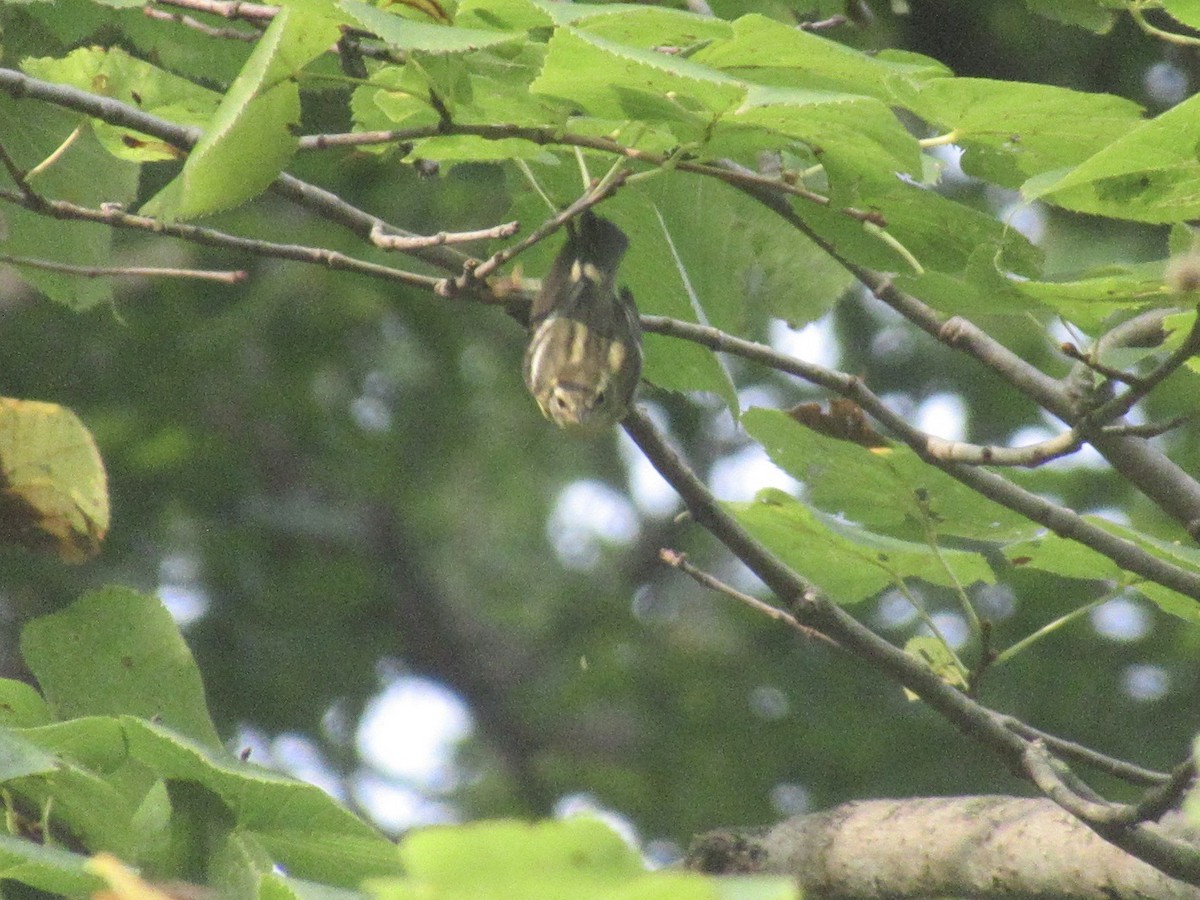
(599, 401)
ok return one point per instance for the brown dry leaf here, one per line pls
(845, 421)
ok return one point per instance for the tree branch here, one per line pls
(811, 608)
(1059, 519)
(1142, 465)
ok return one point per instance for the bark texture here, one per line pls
(978, 847)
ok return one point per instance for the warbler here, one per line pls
(584, 357)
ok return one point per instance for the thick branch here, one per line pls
(959, 847)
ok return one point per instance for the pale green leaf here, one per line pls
(770, 52)
(934, 653)
(890, 490)
(665, 31)
(300, 826)
(502, 15)
(578, 857)
(405, 34)
(1012, 131)
(81, 788)
(1149, 174)
(610, 80)
(1185, 11)
(250, 139)
(1094, 15)
(20, 705)
(847, 562)
(853, 132)
(114, 73)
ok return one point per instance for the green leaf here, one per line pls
(849, 563)
(1012, 131)
(651, 271)
(46, 868)
(610, 80)
(250, 139)
(85, 174)
(1070, 559)
(405, 34)
(279, 887)
(114, 73)
(940, 234)
(21, 706)
(53, 488)
(577, 857)
(1149, 174)
(771, 52)
(1185, 11)
(1093, 298)
(892, 490)
(934, 653)
(96, 743)
(502, 15)
(20, 757)
(135, 662)
(665, 31)
(87, 790)
(300, 826)
(854, 134)
(1094, 15)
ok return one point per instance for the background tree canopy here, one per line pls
(326, 464)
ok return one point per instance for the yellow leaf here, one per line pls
(53, 489)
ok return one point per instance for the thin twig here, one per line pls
(1069, 750)
(478, 274)
(130, 271)
(1125, 401)
(56, 155)
(1113, 374)
(196, 25)
(1171, 37)
(679, 561)
(385, 241)
(117, 218)
(351, 139)
(1157, 802)
(824, 24)
(32, 198)
(226, 9)
(318, 200)
(1149, 429)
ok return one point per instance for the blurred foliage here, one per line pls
(349, 480)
